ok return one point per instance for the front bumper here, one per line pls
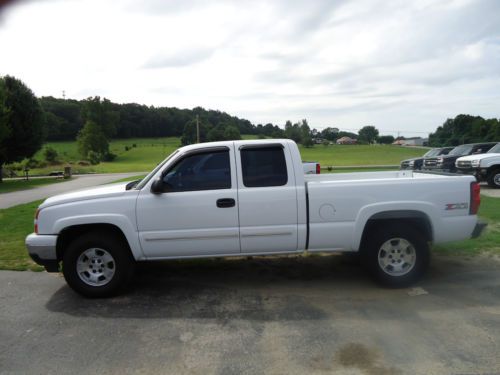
(476, 172)
(42, 249)
(478, 229)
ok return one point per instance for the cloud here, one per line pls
(390, 63)
(179, 58)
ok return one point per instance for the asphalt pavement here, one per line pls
(76, 183)
(307, 315)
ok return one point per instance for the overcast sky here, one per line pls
(398, 65)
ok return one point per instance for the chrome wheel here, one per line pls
(397, 257)
(496, 179)
(95, 267)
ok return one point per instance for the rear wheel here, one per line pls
(396, 254)
(97, 265)
(493, 178)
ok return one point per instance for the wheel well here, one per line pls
(415, 219)
(70, 233)
(493, 168)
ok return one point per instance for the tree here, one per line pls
(101, 113)
(100, 125)
(92, 139)
(189, 135)
(21, 122)
(330, 133)
(305, 134)
(293, 131)
(386, 139)
(232, 133)
(368, 134)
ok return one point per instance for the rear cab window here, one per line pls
(264, 166)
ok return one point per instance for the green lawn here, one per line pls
(150, 151)
(348, 155)
(8, 186)
(17, 222)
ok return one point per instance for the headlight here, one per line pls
(475, 163)
(440, 161)
(411, 163)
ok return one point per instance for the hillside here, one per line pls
(150, 151)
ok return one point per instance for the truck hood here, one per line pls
(479, 156)
(105, 191)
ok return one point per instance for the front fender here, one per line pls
(120, 221)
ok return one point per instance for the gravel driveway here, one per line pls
(313, 315)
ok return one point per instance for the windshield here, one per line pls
(153, 172)
(495, 149)
(432, 152)
(461, 150)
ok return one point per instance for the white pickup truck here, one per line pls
(485, 167)
(240, 198)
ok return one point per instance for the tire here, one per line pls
(493, 178)
(98, 265)
(396, 254)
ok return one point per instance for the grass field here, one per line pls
(17, 222)
(150, 151)
(14, 185)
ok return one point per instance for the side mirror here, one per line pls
(157, 187)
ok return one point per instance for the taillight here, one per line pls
(475, 198)
(36, 220)
(318, 168)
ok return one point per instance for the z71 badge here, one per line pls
(456, 206)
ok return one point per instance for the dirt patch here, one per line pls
(366, 359)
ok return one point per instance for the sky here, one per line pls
(401, 66)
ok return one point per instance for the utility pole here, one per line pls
(64, 95)
(197, 130)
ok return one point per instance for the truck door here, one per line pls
(198, 212)
(267, 199)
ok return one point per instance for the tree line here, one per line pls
(465, 129)
(26, 122)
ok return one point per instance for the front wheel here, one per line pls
(97, 265)
(396, 254)
(493, 178)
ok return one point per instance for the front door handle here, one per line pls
(226, 202)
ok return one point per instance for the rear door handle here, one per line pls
(226, 202)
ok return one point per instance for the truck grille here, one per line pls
(464, 164)
(430, 163)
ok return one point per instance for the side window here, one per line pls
(264, 166)
(203, 171)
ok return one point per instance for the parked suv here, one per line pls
(486, 167)
(417, 163)
(446, 163)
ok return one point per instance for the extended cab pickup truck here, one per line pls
(239, 198)
(485, 167)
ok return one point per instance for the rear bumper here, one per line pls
(42, 249)
(478, 229)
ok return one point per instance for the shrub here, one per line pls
(33, 163)
(109, 156)
(94, 157)
(50, 154)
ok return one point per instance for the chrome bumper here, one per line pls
(42, 249)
